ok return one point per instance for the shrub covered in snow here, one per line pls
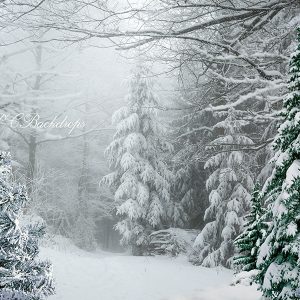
(245, 277)
(172, 241)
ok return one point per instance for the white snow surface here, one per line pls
(108, 276)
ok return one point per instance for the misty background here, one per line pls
(62, 169)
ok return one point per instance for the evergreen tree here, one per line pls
(248, 242)
(141, 177)
(229, 184)
(278, 257)
(20, 271)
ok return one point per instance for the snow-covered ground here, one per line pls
(106, 276)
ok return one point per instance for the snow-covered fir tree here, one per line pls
(141, 177)
(229, 185)
(248, 242)
(278, 257)
(20, 270)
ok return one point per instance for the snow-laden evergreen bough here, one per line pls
(21, 273)
(230, 184)
(279, 255)
(141, 177)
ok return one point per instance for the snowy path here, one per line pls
(105, 276)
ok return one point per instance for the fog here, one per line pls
(78, 87)
(150, 128)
